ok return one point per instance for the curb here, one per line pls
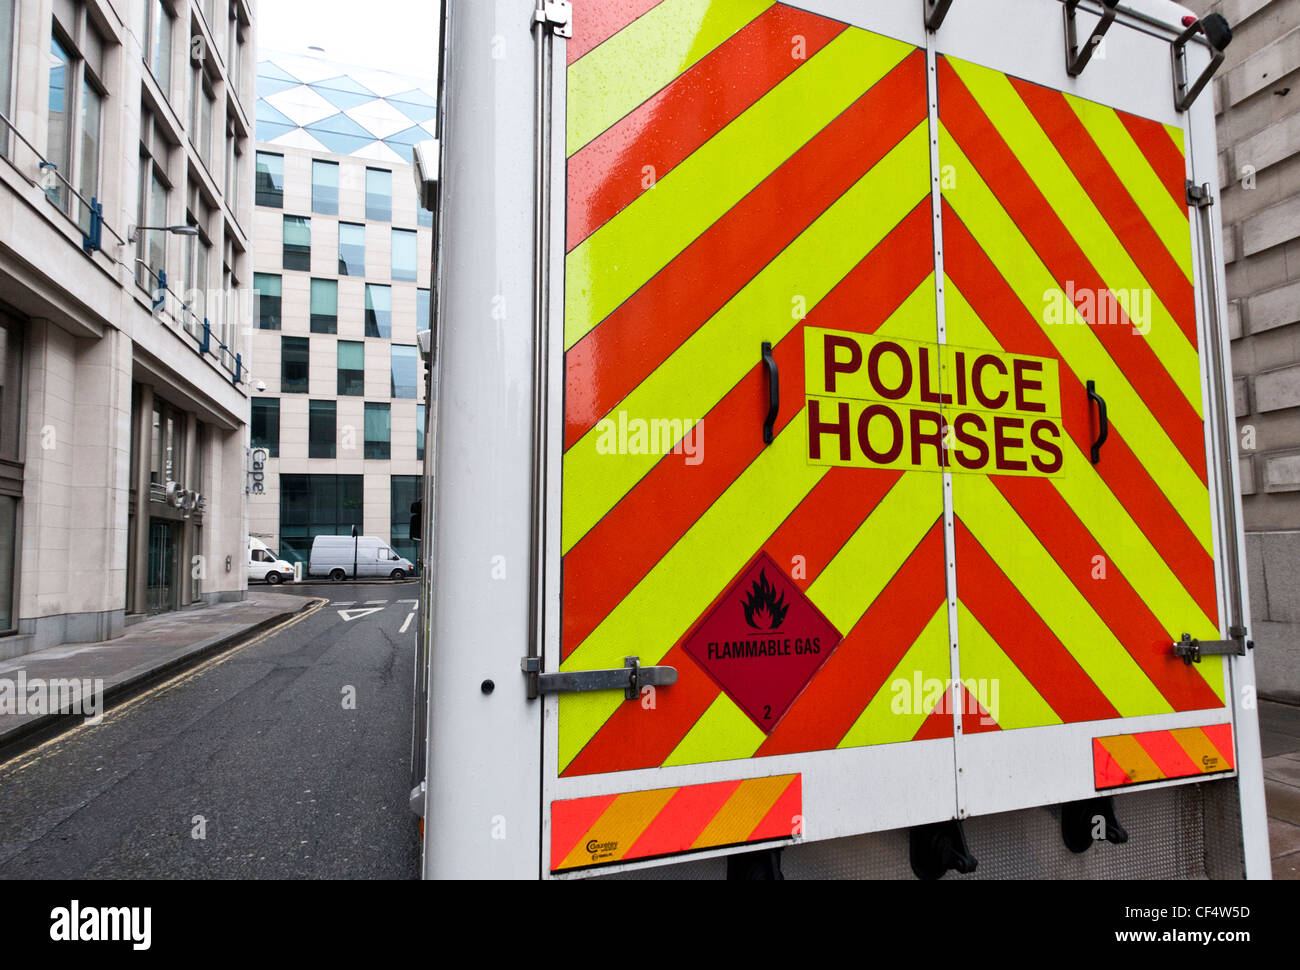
(27, 736)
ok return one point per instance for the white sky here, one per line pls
(389, 35)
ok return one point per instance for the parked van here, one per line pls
(334, 556)
(264, 565)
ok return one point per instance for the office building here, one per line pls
(342, 276)
(125, 146)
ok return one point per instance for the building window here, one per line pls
(293, 365)
(270, 180)
(405, 258)
(352, 368)
(167, 446)
(92, 111)
(151, 247)
(423, 217)
(158, 52)
(322, 429)
(6, 68)
(352, 249)
(59, 146)
(297, 243)
(201, 106)
(379, 195)
(325, 188)
(8, 560)
(317, 505)
(198, 251)
(378, 430)
(235, 51)
(265, 428)
(235, 148)
(324, 306)
(404, 490)
(74, 112)
(11, 467)
(267, 287)
(421, 310)
(419, 432)
(404, 371)
(379, 311)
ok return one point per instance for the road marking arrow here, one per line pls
(350, 615)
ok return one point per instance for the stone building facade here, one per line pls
(125, 225)
(1257, 98)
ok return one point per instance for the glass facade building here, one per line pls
(347, 277)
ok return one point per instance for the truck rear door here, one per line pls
(742, 175)
(1068, 253)
(843, 304)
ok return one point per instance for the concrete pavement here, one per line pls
(149, 651)
(1280, 738)
(286, 757)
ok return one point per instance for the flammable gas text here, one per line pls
(740, 649)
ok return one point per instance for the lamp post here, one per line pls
(133, 232)
(355, 543)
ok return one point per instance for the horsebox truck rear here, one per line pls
(831, 465)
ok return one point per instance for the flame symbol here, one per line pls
(763, 610)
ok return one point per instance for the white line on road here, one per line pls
(376, 602)
(350, 615)
(345, 602)
(407, 622)
(408, 601)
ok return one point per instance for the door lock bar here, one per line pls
(629, 678)
(1192, 650)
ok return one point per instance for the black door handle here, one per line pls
(773, 392)
(1103, 422)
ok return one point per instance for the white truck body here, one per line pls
(516, 770)
(264, 566)
(368, 556)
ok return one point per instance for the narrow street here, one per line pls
(286, 758)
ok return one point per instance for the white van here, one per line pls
(265, 565)
(334, 556)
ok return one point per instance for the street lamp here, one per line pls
(133, 232)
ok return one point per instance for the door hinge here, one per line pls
(1192, 650)
(1199, 196)
(629, 678)
(556, 14)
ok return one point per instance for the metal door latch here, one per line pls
(629, 678)
(1192, 650)
(1199, 196)
(935, 11)
(556, 14)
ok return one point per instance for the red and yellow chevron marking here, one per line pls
(738, 170)
(1132, 759)
(606, 829)
(1072, 589)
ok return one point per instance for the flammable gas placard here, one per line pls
(763, 642)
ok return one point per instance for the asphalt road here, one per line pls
(256, 751)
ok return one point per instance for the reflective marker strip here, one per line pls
(1134, 759)
(605, 830)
